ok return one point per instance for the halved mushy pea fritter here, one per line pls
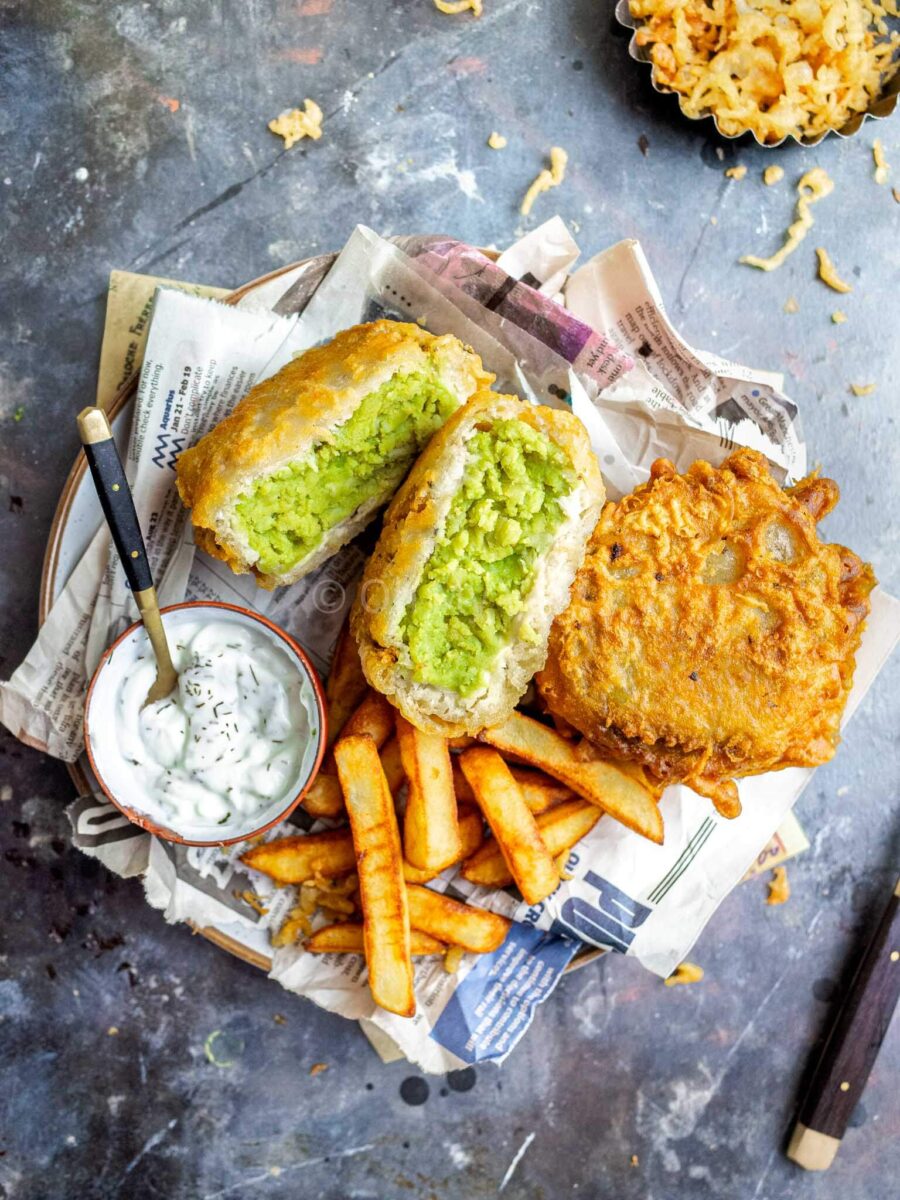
(311, 454)
(711, 634)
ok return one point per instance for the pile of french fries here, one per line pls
(506, 809)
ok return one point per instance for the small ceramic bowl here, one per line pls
(121, 784)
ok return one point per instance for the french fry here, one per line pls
(560, 827)
(346, 686)
(515, 829)
(297, 859)
(619, 794)
(430, 830)
(461, 785)
(455, 923)
(453, 959)
(539, 791)
(471, 835)
(393, 765)
(324, 798)
(376, 839)
(463, 742)
(375, 717)
(347, 938)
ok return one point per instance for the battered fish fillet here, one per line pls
(710, 633)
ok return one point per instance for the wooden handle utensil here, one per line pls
(118, 508)
(851, 1048)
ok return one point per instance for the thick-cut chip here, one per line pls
(455, 923)
(430, 831)
(605, 785)
(375, 717)
(324, 798)
(539, 791)
(392, 764)
(376, 839)
(346, 687)
(560, 827)
(347, 938)
(500, 799)
(471, 835)
(296, 859)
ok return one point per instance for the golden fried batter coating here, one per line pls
(711, 634)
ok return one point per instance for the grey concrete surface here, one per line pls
(96, 172)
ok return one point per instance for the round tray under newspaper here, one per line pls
(74, 523)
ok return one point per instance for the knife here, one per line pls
(851, 1048)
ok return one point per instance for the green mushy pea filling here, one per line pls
(287, 514)
(502, 518)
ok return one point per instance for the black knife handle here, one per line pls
(853, 1043)
(115, 496)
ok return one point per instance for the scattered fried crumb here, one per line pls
(318, 1068)
(737, 172)
(546, 179)
(791, 305)
(279, 1019)
(294, 123)
(451, 7)
(773, 174)
(862, 389)
(334, 897)
(253, 900)
(686, 972)
(113, 1031)
(828, 272)
(296, 925)
(496, 141)
(882, 170)
(170, 102)
(713, 220)
(635, 1161)
(779, 888)
(561, 860)
(838, 317)
(452, 958)
(815, 185)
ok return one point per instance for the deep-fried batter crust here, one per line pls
(711, 634)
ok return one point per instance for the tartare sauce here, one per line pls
(230, 740)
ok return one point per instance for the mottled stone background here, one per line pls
(134, 135)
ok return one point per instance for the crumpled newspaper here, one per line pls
(641, 392)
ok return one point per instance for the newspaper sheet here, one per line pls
(642, 392)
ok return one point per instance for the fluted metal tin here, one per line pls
(883, 106)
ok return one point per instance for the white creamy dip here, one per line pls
(231, 741)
